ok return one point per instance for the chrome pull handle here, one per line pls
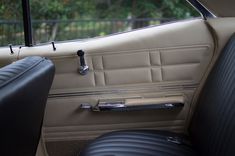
(123, 107)
(110, 106)
(83, 70)
(86, 106)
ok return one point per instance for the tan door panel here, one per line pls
(6, 57)
(156, 64)
(72, 123)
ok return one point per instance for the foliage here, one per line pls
(107, 16)
(10, 10)
(98, 9)
(144, 9)
(60, 9)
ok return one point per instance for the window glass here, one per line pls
(60, 20)
(11, 25)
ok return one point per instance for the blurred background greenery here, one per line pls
(61, 20)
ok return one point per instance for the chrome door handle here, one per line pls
(120, 106)
(109, 106)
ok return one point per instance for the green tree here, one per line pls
(136, 9)
(10, 10)
(58, 10)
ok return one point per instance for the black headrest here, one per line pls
(24, 88)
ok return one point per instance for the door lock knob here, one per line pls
(83, 70)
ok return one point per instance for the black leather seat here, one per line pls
(212, 129)
(140, 143)
(24, 87)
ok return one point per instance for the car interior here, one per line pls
(158, 91)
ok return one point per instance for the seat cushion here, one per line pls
(139, 143)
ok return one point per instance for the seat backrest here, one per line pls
(24, 87)
(213, 125)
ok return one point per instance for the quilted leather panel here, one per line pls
(133, 76)
(213, 124)
(183, 56)
(178, 64)
(129, 60)
(137, 143)
(184, 72)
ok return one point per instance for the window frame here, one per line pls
(28, 38)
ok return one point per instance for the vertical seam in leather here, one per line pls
(150, 60)
(95, 78)
(160, 55)
(150, 65)
(94, 75)
(151, 75)
(105, 78)
(93, 67)
(102, 65)
(102, 62)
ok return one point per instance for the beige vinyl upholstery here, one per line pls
(155, 63)
(160, 62)
(154, 55)
(134, 68)
(221, 8)
(224, 28)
